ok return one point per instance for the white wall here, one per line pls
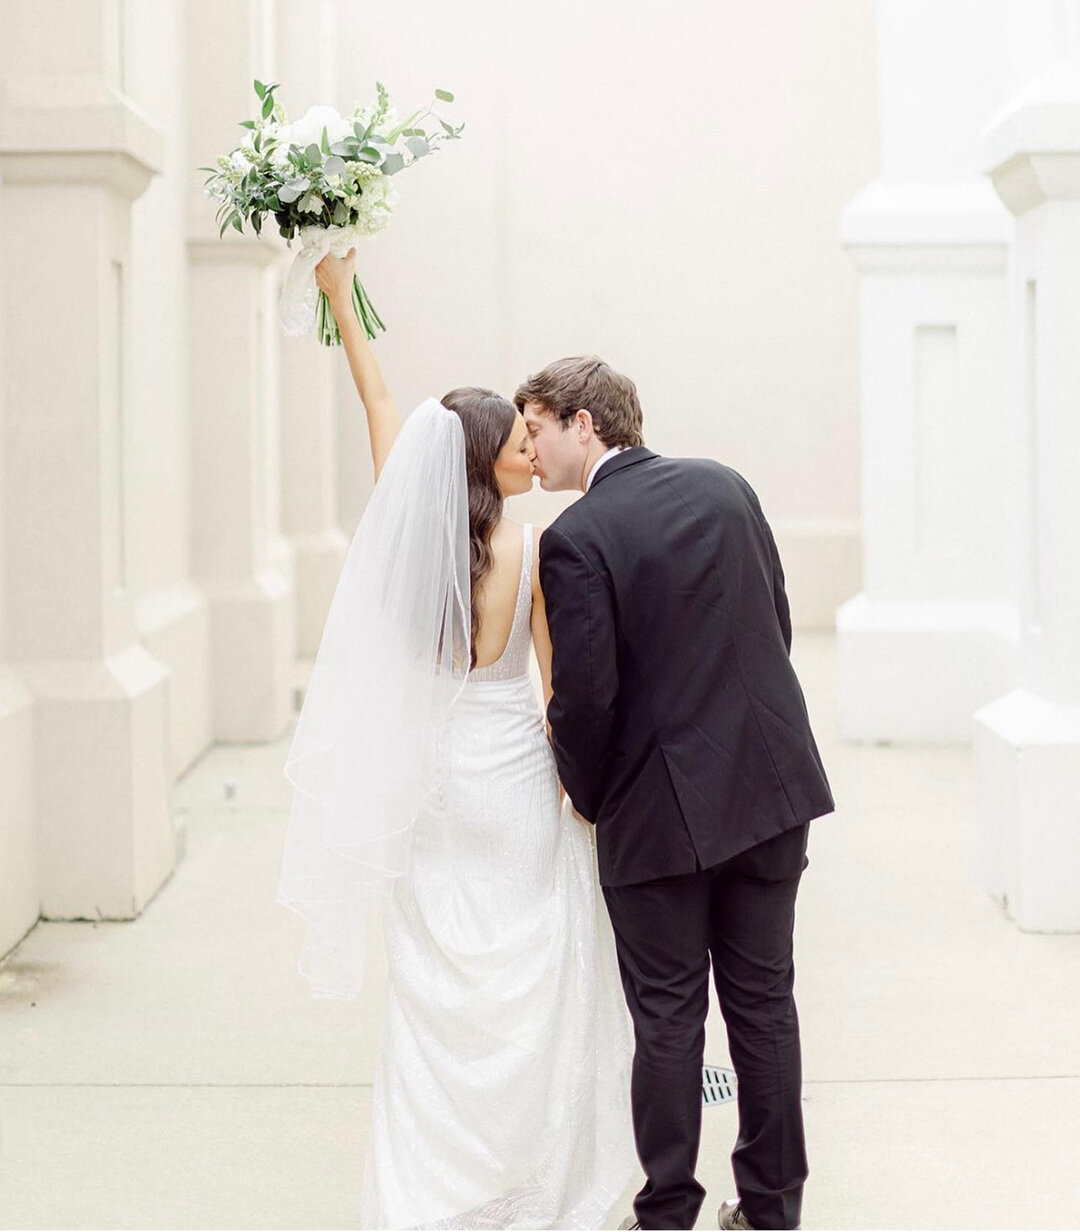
(661, 185)
(170, 611)
(658, 185)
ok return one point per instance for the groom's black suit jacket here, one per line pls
(678, 723)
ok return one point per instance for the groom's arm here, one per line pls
(780, 599)
(584, 676)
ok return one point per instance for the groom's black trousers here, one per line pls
(741, 915)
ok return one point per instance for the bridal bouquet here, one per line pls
(325, 178)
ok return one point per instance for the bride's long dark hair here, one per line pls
(488, 419)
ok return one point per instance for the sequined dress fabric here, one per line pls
(502, 1095)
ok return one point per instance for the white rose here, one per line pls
(308, 129)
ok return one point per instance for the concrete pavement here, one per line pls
(173, 1072)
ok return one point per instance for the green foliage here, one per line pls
(267, 174)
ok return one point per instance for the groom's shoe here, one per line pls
(730, 1215)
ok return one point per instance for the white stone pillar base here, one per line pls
(913, 670)
(1027, 754)
(174, 625)
(19, 889)
(106, 842)
(319, 559)
(252, 638)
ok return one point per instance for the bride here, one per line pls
(423, 774)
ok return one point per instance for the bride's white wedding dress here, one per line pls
(502, 1096)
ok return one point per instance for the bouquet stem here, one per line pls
(326, 327)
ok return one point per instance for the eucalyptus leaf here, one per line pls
(334, 166)
(341, 213)
(418, 146)
(288, 193)
(340, 148)
(445, 95)
(370, 155)
(268, 106)
(313, 154)
(392, 164)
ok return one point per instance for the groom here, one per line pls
(680, 730)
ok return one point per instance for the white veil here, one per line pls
(394, 656)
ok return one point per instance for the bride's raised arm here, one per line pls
(334, 276)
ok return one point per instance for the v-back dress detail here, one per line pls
(502, 1095)
(514, 660)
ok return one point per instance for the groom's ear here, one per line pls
(583, 424)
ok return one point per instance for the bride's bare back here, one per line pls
(496, 599)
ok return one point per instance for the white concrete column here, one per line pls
(1028, 741)
(307, 60)
(239, 557)
(933, 634)
(171, 613)
(73, 156)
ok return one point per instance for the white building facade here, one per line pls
(178, 481)
(968, 622)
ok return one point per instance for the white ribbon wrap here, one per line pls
(299, 294)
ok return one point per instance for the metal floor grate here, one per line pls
(718, 1086)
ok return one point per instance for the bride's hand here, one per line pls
(584, 820)
(334, 276)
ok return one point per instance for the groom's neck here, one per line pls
(596, 451)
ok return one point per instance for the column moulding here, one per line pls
(933, 634)
(1027, 742)
(250, 588)
(99, 760)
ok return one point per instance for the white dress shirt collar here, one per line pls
(600, 462)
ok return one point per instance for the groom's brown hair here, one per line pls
(585, 382)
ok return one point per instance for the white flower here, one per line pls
(240, 162)
(279, 156)
(374, 205)
(308, 129)
(312, 204)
